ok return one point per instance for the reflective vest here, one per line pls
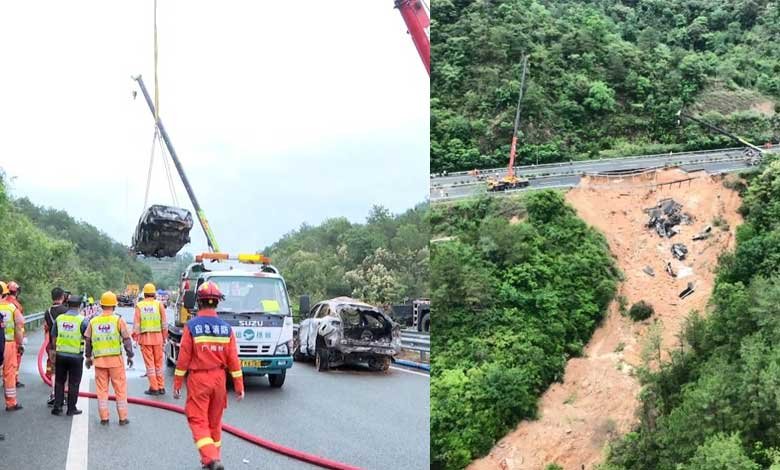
(151, 319)
(7, 310)
(69, 333)
(106, 338)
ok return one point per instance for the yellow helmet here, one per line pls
(149, 288)
(108, 299)
(3, 288)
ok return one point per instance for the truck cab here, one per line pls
(256, 305)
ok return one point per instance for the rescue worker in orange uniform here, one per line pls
(2, 354)
(13, 296)
(150, 331)
(105, 336)
(208, 349)
(14, 326)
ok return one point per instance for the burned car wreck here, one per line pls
(346, 331)
(162, 231)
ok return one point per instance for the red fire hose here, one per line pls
(296, 454)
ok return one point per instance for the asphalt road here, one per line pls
(370, 420)
(568, 174)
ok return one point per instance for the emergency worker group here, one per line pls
(80, 333)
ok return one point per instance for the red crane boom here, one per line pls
(417, 21)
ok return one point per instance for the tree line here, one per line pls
(382, 261)
(607, 77)
(518, 286)
(41, 248)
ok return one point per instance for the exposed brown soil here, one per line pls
(597, 400)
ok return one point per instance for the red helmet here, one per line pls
(13, 287)
(209, 291)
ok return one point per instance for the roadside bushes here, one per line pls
(518, 285)
(640, 311)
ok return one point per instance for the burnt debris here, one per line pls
(666, 217)
(687, 291)
(704, 234)
(679, 251)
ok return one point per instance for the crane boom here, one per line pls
(212, 242)
(719, 130)
(417, 20)
(513, 148)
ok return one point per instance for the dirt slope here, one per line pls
(597, 399)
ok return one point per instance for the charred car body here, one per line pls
(346, 331)
(162, 231)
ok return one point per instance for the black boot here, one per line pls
(150, 392)
(74, 411)
(161, 391)
(19, 385)
(14, 408)
(122, 422)
(56, 411)
(104, 422)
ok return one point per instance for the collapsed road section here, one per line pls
(597, 399)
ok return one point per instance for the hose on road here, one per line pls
(296, 454)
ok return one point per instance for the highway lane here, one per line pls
(594, 165)
(570, 176)
(372, 420)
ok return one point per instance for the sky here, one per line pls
(280, 112)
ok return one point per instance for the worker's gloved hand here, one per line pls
(53, 356)
(176, 394)
(88, 363)
(240, 396)
(20, 349)
(129, 362)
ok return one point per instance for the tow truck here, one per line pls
(256, 306)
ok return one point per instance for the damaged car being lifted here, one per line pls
(346, 331)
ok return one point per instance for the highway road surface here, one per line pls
(564, 175)
(370, 420)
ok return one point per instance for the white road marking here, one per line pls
(78, 445)
(409, 371)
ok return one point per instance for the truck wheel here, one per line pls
(425, 323)
(277, 380)
(321, 360)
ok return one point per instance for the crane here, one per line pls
(204, 223)
(511, 181)
(417, 21)
(753, 154)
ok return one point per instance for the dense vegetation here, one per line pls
(382, 261)
(513, 302)
(41, 248)
(606, 77)
(716, 403)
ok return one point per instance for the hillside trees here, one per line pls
(513, 300)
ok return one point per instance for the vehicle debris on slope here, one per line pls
(679, 251)
(666, 217)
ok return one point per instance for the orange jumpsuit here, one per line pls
(152, 343)
(208, 348)
(12, 318)
(109, 367)
(12, 298)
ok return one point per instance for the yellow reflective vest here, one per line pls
(151, 319)
(69, 338)
(106, 337)
(8, 311)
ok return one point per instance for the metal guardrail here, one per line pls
(413, 340)
(33, 319)
(416, 341)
